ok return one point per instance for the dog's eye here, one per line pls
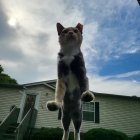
(65, 31)
(75, 30)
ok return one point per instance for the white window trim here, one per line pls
(23, 99)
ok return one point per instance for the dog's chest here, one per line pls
(72, 82)
(68, 60)
(70, 79)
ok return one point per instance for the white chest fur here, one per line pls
(68, 59)
(71, 78)
(72, 81)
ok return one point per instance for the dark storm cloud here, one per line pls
(29, 45)
(5, 30)
(8, 37)
(41, 39)
(11, 53)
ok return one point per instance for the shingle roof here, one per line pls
(51, 84)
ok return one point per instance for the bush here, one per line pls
(93, 134)
(104, 134)
(136, 137)
(49, 134)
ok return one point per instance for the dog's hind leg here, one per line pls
(66, 119)
(77, 120)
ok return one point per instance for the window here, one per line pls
(91, 111)
(88, 111)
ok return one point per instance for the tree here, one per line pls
(1, 69)
(5, 78)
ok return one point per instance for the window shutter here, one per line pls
(97, 113)
(59, 114)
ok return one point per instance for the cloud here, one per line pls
(118, 25)
(118, 87)
(5, 30)
(29, 41)
(125, 75)
(30, 54)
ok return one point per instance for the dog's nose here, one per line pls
(70, 32)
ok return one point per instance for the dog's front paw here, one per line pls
(87, 96)
(52, 105)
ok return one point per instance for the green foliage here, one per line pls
(5, 78)
(49, 133)
(93, 134)
(1, 69)
(104, 134)
(136, 137)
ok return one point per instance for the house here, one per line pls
(26, 104)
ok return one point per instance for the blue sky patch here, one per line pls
(126, 63)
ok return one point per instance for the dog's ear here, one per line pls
(79, 26)
(59, 28)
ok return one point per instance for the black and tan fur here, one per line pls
(72, 85)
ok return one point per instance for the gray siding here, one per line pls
(116, 112)
(122, 114)
(45, 118)
(8, 97)
(119, 113)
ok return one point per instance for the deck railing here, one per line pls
(9, 119)
(23, 126)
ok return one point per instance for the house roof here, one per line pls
(115, 95)
(49, 83)
(52, 83)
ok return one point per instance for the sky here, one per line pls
(111, 41)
